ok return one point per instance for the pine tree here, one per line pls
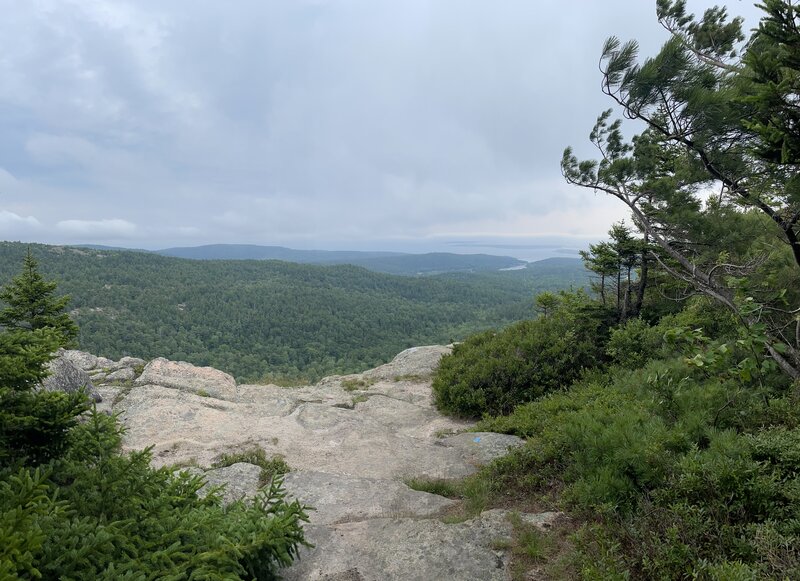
(546, 303)
(716, 121)
(33, 425)
(603, 261)
(32, 305)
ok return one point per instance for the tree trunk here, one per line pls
(603, 288)
(637, 307)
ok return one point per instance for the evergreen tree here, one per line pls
(616, 260)
(715, 121)
(73, 507)
(772, 85)
(34, 425)
(546, 303)
(31, 304)
(603, 261)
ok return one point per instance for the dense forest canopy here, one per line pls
(267, 318)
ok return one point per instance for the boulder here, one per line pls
(80, 359)
(65, 376)
(126, 363)
(414, 362)
(205, 381)
(104, 363)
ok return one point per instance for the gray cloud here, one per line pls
(14, 226)
(106, 229)
(288, 122)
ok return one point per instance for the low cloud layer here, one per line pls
(188, 122)
(16, 225)
(97, 229)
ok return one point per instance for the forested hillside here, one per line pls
(259, 252)
(258, 319)
(388, 262)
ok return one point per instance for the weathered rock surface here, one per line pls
(127, 362)
(416, 362)
(187, 377)
(123, 374)
(481, 447)
(408, 549)
(72, 369)
(65, 376)
(338, 498)
(241, 481)
(352, 442)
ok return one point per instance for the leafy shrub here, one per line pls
(671, 463)
(493, 372)
(634, 343)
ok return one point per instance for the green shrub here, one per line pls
(779, 446)
(446, 488)
(270, 467)
(671, 463)
(101, 515)
(634, 343)
(493, 372)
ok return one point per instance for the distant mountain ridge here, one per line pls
(387, 262)
(258, 252)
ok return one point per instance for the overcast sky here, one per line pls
(307, 123)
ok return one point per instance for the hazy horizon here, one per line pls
(528, 249)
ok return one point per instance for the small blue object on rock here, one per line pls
(477, 439)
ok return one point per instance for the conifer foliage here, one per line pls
(712, 180)
(72, 506)
(31, 304)
(33, 425)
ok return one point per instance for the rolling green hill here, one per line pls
(257, 252)
(256, 318)
(388, 262)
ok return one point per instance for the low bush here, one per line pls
(95, 513)
(493, 372)
(679, 470)
(634, 343)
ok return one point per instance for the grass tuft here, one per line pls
(354, 384)
(446, 488)
(270, 466)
